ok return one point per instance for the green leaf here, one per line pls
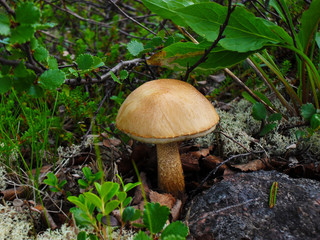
(259, 111)
(22, 34)
(62, 183)
(94, 199)
(249, 34)
(20, 70)
(35, 91)
(110, 193)
(4, 25)
(135, 47)
(110, 206)
(155, 216)
(82, 236)
(52, 79)
(51, 179)
(177, 228)
(275, 117)
(309, 22)
(27, 13)
(84, 61)
(166, 9)
(87, 172)
(267, 128)
(130, 214)
(41, 54)
(115, 78)
(5, 84)
(179, 56)
(142, 236)
(300, 134)
(318, 39)
(22, 84)
(52, 63)
(81, 217)
(83, 184)
(173, 237)
(248, 97)
(122, 196)
(263, 97)
(315, 121)
(127, 201)
(123, 74)
(130, 186)
(97, 62)
(307, 111)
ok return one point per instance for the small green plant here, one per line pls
(312, 116)
(52, 181)
(154, 218)
(90, 178)
(268, 123)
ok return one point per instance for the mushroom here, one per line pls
(164, 112)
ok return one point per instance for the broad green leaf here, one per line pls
(127, 201)
(4, 25)
(87, 172)
(80, 216)
(27, 13)
(315, 121)
(34, 44)
(82, 183)
(97, 62)
(318, 39)
(52, 63)
(307, 111)
(84, 61)
(155, 216)
(259, 111)
(122, 196)
(111, 193)
(123, 74)
(245, 32)
(52, 79)
(41, 54)
(51, 179)
(166, 8)
(115, 78)
(21, 34)
(22, 84)
(5, 84)
(300, 134)
(76, 201)
(135, 47)
(142, 236)
(94, 199)
(82, 236)
(309, 23)
(267, 128)
(98, 187)
(130, 214)
(110, 206)
(179, 56)
(177, 228)
(20, 70)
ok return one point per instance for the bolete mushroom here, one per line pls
(164, 112)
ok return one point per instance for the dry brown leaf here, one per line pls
(211, 162)
(175, 210)
(165, 199)
(254, 165)
(190, 161)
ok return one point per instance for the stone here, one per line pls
(238, 208)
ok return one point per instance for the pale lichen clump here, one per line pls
(239, 125)
(14, 225)
(3, 183)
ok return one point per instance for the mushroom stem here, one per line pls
(170, 173)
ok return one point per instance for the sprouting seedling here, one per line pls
(90, 178)
(268, 123)
(55, 186)
(273, 194)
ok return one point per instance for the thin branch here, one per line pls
(77, 16)
(214, 44)
(132, 19)
(248, 90)
(16, 63)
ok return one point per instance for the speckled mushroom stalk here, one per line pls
(170, 173)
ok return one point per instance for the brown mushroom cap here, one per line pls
(166, 110)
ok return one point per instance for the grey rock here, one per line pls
(238, 208)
